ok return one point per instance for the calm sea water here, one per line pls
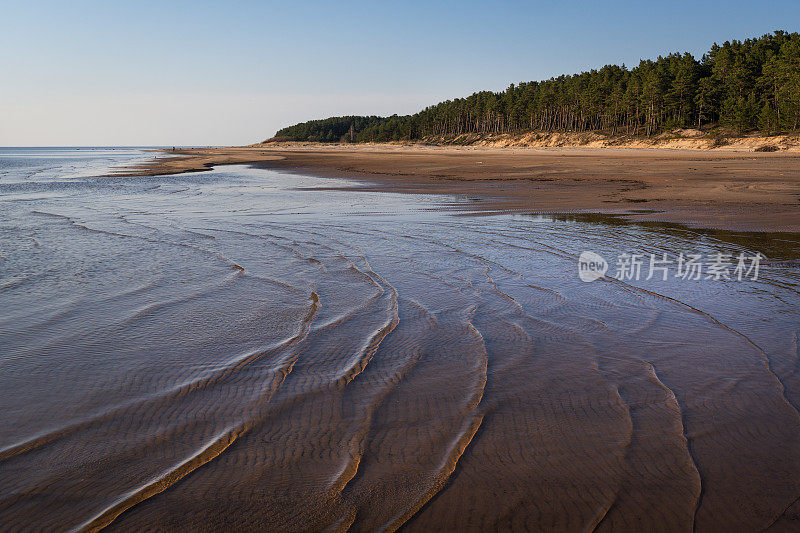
(245, 348)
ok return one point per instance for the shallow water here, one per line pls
(243, 348)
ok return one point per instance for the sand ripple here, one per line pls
(178, 365)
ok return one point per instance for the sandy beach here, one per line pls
(266, 346)
(400, 267)
(722, 189)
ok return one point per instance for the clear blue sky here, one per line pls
(174, 72)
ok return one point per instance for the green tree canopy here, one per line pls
(740, 85)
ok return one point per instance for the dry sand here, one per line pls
(722, 189)
(682, 139)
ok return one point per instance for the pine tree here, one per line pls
(740, 85)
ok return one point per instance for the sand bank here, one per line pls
(724, 189)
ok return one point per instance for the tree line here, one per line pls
(740, 86)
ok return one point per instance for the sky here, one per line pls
(90, 73)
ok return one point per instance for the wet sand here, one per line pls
(259, 350)
(714, 189)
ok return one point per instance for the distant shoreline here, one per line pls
(725, 189)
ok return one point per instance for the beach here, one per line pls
(723, 189)
(414, 267)
(391, 338)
